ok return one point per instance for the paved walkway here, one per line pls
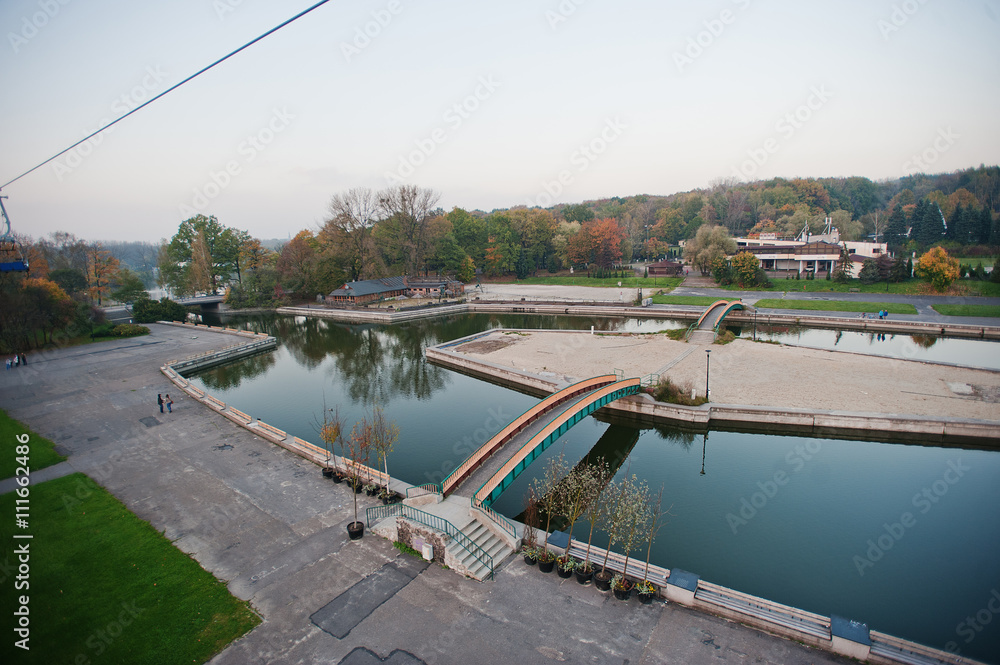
(265, 521)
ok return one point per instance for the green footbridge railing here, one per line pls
(377, 513)
(560, 424)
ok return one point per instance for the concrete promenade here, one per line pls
(267, 523)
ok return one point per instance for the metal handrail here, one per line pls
(513, 427)
(434, 488)
(499, 519)
(434, 522)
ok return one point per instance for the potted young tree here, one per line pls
(634, 502)
(547, 489)
(331, 432)
(529, 539)
(358, 446)
(612, 515)
(385, 433)
(654, 520)
(597, 477)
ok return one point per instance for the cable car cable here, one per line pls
(170, 89)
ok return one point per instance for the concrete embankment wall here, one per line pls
(888, 326)
(838, 424)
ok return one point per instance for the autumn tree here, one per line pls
(406, 210)
(102, 268)
(296, 263)
(200, 276)
(467, 271)
(710, 243)
(746, 269)
(938, 268)
(128, 287)
(598, 241)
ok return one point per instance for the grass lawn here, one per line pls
(583, 280)
(912, 287)
(106, 587)
(967, 310)
(42, 452)
(837, 306)
(684, 300)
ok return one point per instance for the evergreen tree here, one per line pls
(931, 224)
(869, 272)
(986, 231)
(895, 231)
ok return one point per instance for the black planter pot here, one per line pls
(395, 497)
(584, 577)
(564, 573)
(328, 472)
(546, 566)
(646, 598)
(374, 491)
(338, 477)
(355, 530)
(623, 594)
(358, 487)
(530, 560)
(602, 580)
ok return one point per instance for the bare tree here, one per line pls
(406, 209)
(352, 216)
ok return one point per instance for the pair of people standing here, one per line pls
(161, 402)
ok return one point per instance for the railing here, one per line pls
(690, 331)
(560, 424)
(498, 519)
(709, 310)
(430, 488)
(519, 423)
(434, 522)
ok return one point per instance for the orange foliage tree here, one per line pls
(938, 268)
(598, 241)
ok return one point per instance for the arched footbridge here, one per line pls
(485, 475)
(708, 324)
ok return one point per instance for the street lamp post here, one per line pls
(708, 367)
(755, 324)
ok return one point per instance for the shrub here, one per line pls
(666, 391)
(129, 330)
(103, 330)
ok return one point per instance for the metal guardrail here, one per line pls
(511, 429)
(434, 522)
(498, 519)
(431, 488)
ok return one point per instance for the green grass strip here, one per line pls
(106, 587)
(685, 300)
(967, 310)
(41, 451)
(837, 306)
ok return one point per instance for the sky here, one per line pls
(493, 105)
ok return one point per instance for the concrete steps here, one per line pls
(487, 542)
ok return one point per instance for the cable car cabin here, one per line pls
(11, 258)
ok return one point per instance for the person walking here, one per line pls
(159, 401)
(170, 403)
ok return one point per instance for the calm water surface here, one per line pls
(903, 537)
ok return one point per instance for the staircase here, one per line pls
(489, 543)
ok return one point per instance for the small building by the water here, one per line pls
(371, 290)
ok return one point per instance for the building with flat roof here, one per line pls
(371, 290)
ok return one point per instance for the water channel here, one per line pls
(903, 537)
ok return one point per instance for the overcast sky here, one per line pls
(491, 104)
